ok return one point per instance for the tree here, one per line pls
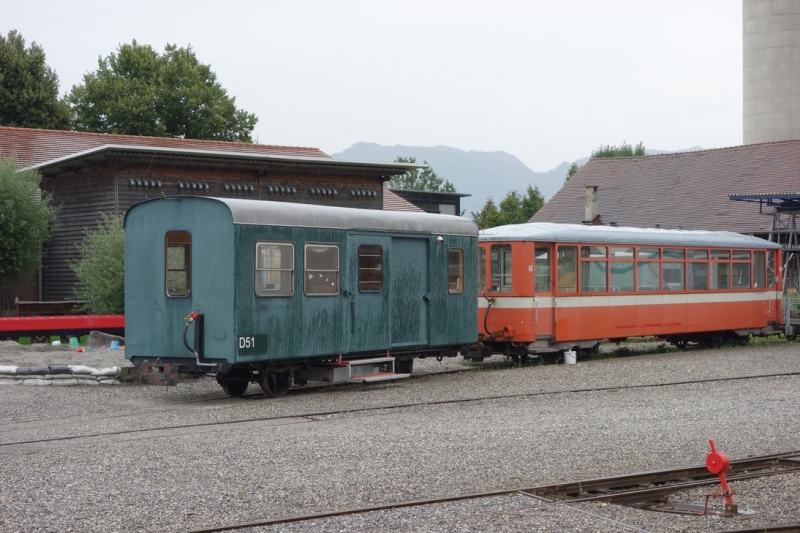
(139, 92)
(28, 87)
(513, 209)
(101, 269)
(572, 170)
(624, 150)
(26, 217)
(420, 180)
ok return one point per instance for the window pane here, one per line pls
(622, 276)
(648, 276)
(455, 271)
(567, 269)
(542, 265)
(742, 255)
(178, 255)
(501, 267)
(720, 254)
(741, 275)
(771, 273)
(621, 253)
(673, 276)
(274, 269)
(321, 270)
(719, 275)
(593, 276)
(698, 276)
(370, 268)
(482, 269)
(697, 254)
(593, 251)
(648, 253)
(759, 270)
(673, 253)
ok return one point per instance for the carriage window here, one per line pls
(274, 269)
(720, 269)
(370, 268)
(542, 266)
(482, 269)
(673, 276)
(321, 270)
(178, 261)
(698, 275)
(567, 269)
(501, 267)
(759, 270)
(673, 269)
(697, 271)
(648, 253)
(593, 273)
(719, 275)
(648, 274)
(741, 275)
(740, 269)
(621, 269)
(455, 271)
(772, 277)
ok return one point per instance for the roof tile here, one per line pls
(688, 190)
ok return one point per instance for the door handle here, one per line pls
(426, 297)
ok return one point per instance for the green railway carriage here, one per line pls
(282, 294)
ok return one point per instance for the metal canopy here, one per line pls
(781, 201)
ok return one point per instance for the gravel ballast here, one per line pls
(513, 428)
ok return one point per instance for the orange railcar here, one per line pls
(546, 288)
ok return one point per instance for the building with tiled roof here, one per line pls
(89, 174)
(690, 190)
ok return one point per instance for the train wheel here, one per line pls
(235, 388)
(275, 384)
(235, 382)
(681, 344)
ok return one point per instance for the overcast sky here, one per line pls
(547, 81)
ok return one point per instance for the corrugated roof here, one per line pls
(688, 190)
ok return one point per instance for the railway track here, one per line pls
(313, 416)
(648, 490)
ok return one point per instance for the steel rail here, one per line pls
(311, 416)
(617, 482)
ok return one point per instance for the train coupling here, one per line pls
(158, 374)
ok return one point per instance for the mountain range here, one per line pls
(481, 174)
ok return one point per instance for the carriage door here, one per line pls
(408, 284)
(367, 292)
(543, 290)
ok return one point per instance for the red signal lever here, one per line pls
(718, 463)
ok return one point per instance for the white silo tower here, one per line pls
(771, 33)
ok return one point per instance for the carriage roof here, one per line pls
(267, 213)
(580, 233)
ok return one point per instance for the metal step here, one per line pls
(373, 361)
(372, 378)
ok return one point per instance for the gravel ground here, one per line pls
(176, 478)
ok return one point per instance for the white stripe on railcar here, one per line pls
(526, 302)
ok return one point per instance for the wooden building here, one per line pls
(89, 174)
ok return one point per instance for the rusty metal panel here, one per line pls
(158, 374)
